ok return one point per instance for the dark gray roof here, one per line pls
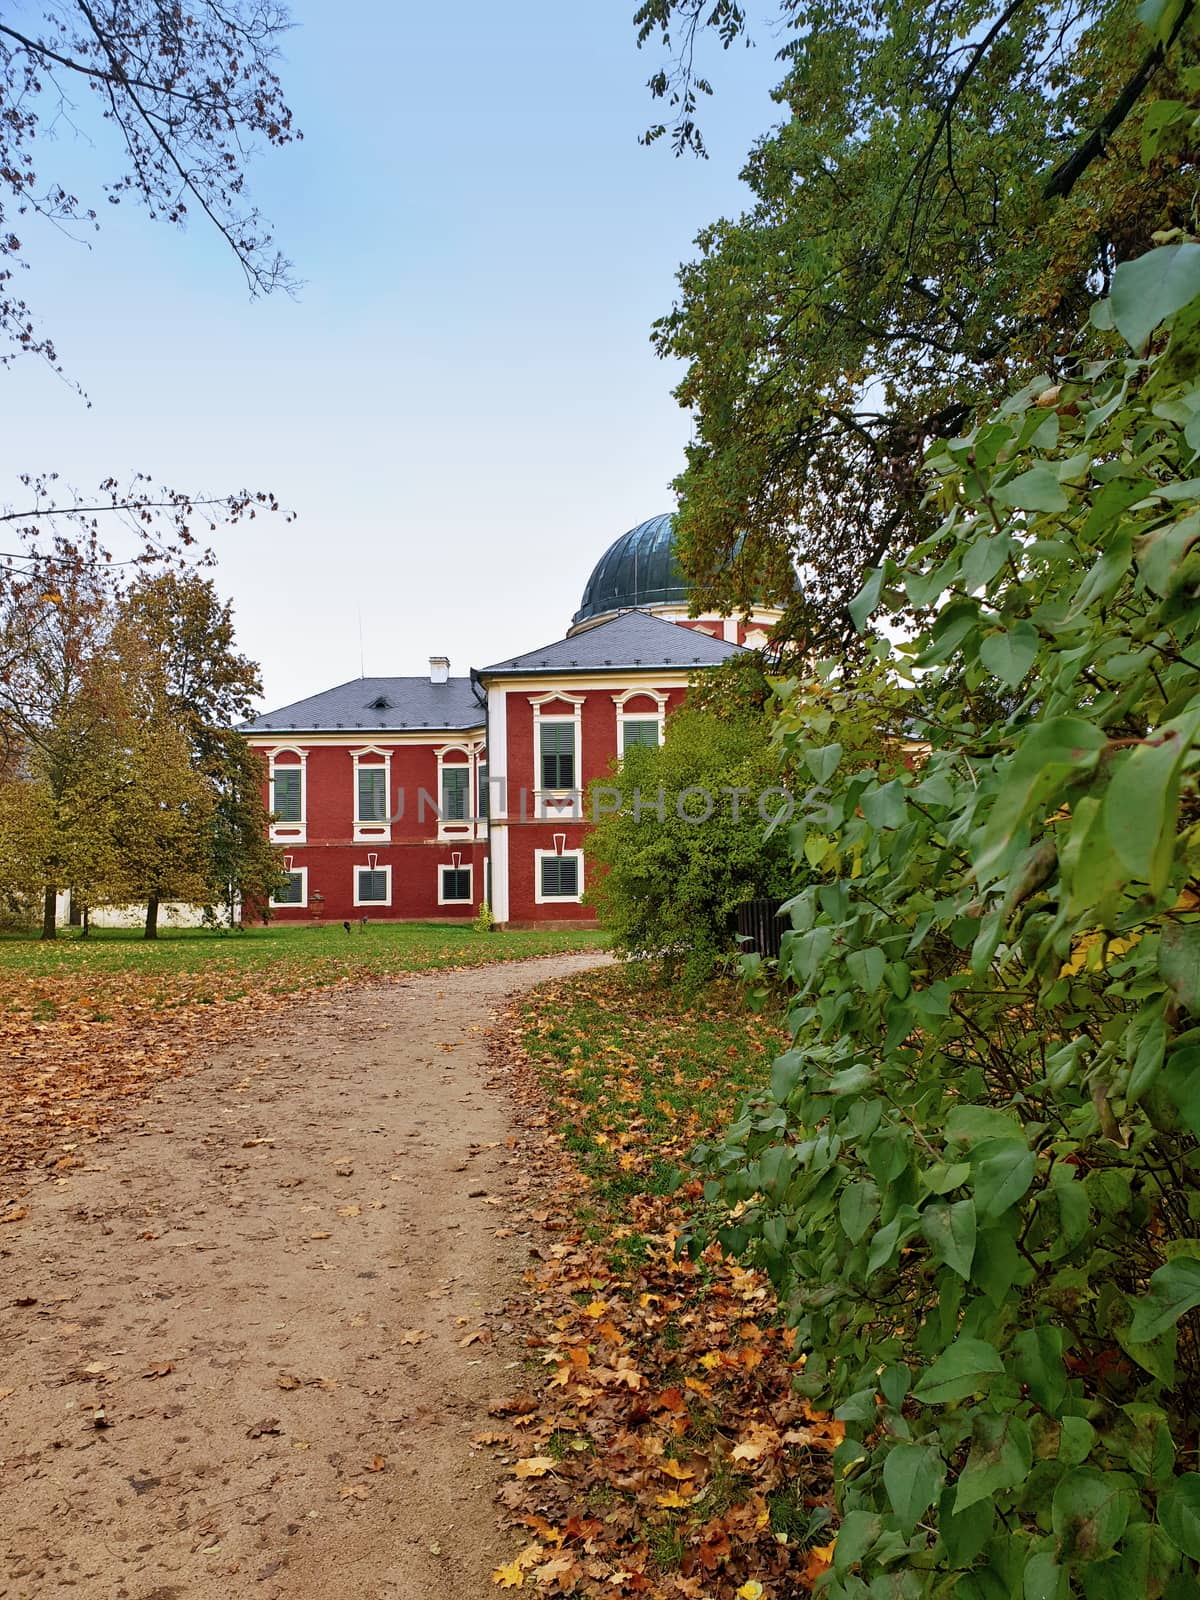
(633, 639)
(377, 705)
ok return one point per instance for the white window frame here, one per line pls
(450, 866)
(541, 899)
(450, 828)
(555, 803)
(371, 865)
(621, 701)
(372, 832)
(294, 905)
(289, 832)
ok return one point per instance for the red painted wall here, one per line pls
(415, 854)
(598, 738)
(415, 878)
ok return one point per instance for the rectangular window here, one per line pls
(292, 891)
(285, 802)
(373, 886)
(484, 796)
(456, 883)
(558, 755)
(560, 877)
(456, 785)
(372, 794)
(640, 732)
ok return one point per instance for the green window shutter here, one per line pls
(484, 795)
(643, 731)
(455, 787)
(456, 883)
(372, 794)
(292, 893)
(372, 886)
(558, 755)
(560, 877)
(285, 802)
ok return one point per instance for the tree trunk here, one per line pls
(49, 921)
(151, 918)
(87, 921)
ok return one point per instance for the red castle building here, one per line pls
(421, 798)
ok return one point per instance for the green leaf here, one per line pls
(1009, 656)
(786, 1073)
(971, 1124)
(966, 1367)
(1051, 752)
(1041, 1577)
(950, 1230)
(913, 1476)
(1182, 1078)
(884, 807)
(1179, 962)
(857, 1208)
(865, 601)
(1174, 1290)
(866, 968)
(1179, 1513)
(1161, 553)
(1038, 1364)
(823, 762)
(1000, 1457)
(1147, 291)
(857, 1533)
(1089, 1512)
(1003, 1171)
(1142, 800)
(964, 1534)
(1035, 490)
(1141, 1567)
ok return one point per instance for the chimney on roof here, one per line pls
(439, 669)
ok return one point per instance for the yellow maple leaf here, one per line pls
(534, 1466)
(750, 1590)
(673, 1499)
(676, 1469)
(509, 1577)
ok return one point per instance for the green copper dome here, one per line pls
(640, 569)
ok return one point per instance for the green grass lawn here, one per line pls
(636, 1074)
(196, 964)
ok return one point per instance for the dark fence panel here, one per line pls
(760, 927)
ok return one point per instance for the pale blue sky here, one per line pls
(462, 407)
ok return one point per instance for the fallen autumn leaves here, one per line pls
(87, 1027)
(659, 1448)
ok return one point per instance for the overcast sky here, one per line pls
(462, 406)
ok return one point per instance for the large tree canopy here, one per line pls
(950, 188)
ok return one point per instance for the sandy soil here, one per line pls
(245, 1349)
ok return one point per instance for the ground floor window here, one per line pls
(294, 891)
(372, 886)
(558, 877)
(454, 885)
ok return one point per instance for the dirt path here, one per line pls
(236, 1352)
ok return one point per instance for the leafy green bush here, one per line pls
(670, 878)
(975, 1179)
